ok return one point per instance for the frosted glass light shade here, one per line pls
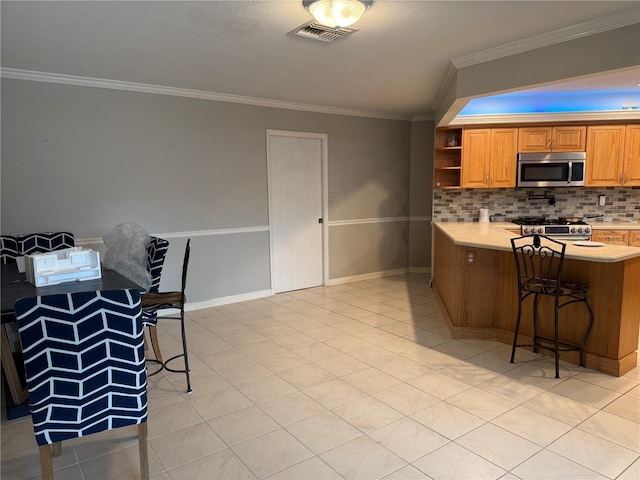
(336, 13)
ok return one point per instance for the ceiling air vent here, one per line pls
(317, 31)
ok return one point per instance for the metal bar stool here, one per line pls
(539, 262)
(153, 302)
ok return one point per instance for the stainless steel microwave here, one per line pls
(555, 169)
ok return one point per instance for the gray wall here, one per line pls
(421, 194)
(86, 159)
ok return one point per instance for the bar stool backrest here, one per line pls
(539, 262)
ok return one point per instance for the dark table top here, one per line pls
(15, 287)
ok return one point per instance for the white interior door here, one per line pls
(295, 162)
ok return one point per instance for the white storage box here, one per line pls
(67, 265)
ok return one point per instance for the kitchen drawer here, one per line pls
(612, 237)
(634, 238)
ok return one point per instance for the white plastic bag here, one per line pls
(127, 253)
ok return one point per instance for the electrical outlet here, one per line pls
(471, 257)
(602, 200)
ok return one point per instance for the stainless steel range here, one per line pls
(558, 229)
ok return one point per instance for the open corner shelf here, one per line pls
(447, 158)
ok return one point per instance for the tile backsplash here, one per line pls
(622, 204)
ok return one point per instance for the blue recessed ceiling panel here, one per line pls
(554, 102)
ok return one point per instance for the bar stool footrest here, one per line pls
(155, 362)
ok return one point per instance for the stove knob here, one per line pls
(525, 230)
(587, 230)
(580, 230)
(540, 230)
(573, 229)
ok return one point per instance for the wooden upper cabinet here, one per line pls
(489, 158)
(552, 139)
(569, 139)
(605, 150)
(475, 157)
(502, 165)
(634, 238)
(631, 164)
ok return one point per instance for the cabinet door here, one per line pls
(568, 139)
(611, 237)
(534, 139)
(503, 157)
(631, 171)
(605, 147)
(476, 145)
(634, 238)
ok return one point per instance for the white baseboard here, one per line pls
(420, 270)
(367, 276)
(216, 302)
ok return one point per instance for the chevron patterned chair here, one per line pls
(85, 367)
(9, 249)
(153, 302)
(44, 242)
(156, 253)
(12, 247)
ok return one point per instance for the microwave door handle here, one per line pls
(570, 172)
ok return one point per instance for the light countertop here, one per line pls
(496, 236)
(615, 225)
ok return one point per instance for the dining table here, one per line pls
(15, 286)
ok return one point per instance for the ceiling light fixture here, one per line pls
(337, 13)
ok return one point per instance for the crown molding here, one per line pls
(444, 86)
(46, 77)
(624, 19)
(545, 117)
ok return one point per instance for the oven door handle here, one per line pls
(570, 172)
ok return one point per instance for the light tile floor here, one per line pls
(357, 381)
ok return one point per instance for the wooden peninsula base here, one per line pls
(477, 288)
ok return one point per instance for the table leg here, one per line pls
(19, 394)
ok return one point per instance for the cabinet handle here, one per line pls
(490, 180)
(553, 144)
(621, 178)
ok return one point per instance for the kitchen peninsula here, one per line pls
(474, 278)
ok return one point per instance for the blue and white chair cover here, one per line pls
(157, 252)
(9, 249)
(85, 366)
(44, 242)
